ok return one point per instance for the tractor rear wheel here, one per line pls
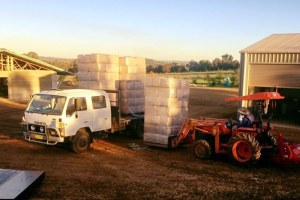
(244, 149)
(269, 141)
(202, 150)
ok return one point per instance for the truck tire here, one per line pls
(139, 131)
(81, 142)
(136, 130)
(244, 149)
(202, 150)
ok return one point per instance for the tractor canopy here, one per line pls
(257, 96)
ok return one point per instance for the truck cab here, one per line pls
(57, 116)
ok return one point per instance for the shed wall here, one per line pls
(272, 75)
(22, 84)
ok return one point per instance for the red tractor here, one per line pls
(244, 145)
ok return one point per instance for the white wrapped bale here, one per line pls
(98, 58)
(128, 69)
(166, 109)
(170, 83)
(155, 81)
(153, 101)
(132, 109)
(174, 112)
(111, 85)
(88, 76)
(127, 85)
(171, 102)
(112, 68)
(132, 61)
(167, 92)
(108, 70)
(156, 139)
(106, 76)
(89, 85)
(185, 84)
(135, 76)
(91, 67)
(171, 121)
(102, 84)
(132, 68)
(149, 111)
(132, 95)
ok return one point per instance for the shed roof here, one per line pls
(36, 61)
(276, 43)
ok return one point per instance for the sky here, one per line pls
(181, 30)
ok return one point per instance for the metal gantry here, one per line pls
(10, 63)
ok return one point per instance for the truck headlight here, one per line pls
(32, 127)
(42, 129)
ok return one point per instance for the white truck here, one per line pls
(74, 116)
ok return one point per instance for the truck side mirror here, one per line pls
(77, 106)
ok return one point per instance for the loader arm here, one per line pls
(185, 130)
(187, 133)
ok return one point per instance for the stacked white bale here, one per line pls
(132, 68)
(109, 72)
(166, 108)
(98, 71)
(132, 78)
(132, 96)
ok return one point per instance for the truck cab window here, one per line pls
(71, 105)
(99, 102)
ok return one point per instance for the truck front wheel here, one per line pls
(81, 142)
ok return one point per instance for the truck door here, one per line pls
(101, 113)
(77, 119)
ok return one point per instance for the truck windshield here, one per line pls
(47, 104)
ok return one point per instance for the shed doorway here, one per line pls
(3, 87)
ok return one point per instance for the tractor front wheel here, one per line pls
(244, 149)
(202, 150)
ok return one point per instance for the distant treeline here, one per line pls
(223, 64)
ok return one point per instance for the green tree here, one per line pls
(175, 68)
(236, 64)
(193, 66)
(182, 69)
(216, 63)
(159, 69)
(149, 69)
(227, 59)
(32, 54)
(204, 65)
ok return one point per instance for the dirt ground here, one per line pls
(112, 169)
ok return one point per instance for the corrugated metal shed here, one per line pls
(276, 43)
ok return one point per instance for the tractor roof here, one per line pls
(257, 96)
